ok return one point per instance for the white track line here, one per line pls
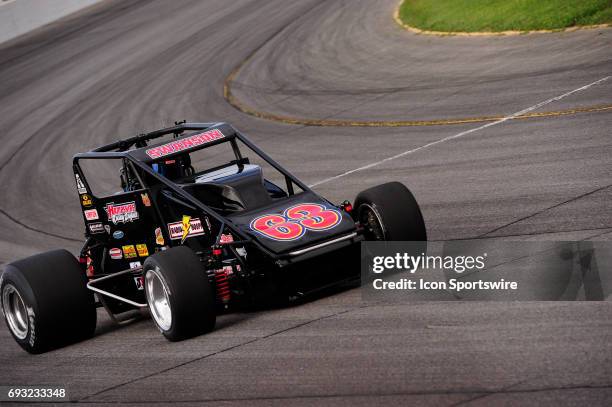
(463, 133)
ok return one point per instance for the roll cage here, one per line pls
(134, 151)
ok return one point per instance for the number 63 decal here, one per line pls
(295, 221)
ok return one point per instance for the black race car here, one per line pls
(190, 227)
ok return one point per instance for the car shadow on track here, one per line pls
(142, 320)
(283, 303)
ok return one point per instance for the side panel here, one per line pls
(125, 224)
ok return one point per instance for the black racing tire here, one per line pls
(176, 284)
(393, 206)
(46, 303)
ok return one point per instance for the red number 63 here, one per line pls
(295, 221)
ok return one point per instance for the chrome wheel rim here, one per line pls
(372, 223)
(158, 299)
(15, 311)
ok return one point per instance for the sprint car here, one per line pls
(189, 226)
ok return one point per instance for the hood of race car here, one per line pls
(294, 222)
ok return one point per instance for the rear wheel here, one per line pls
(390, 212)
(46, 303)
(180, 297)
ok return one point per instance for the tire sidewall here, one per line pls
(190, 294)
(397, 210)
(32, 342)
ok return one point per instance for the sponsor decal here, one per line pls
(226, 238)
(159, 237)
(293, 223)
(129, 252)
(185, 143)
(79, 184)
(86, 200)
(139, 281)
(96, 228)
(32, 320)
(135, 264)
(188, 227)
(142, 249)
(107, 228)
(229, 270)
(118, 234)
(146, 201)
(115, 253)
(121, 213)
(91, 214)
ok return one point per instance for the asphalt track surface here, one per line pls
(124, 67)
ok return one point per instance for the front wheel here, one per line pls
(390, 212)
(180, 297)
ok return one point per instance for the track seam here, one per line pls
(607, 229)
(33, 229)
(217, 353)
(543, 210)
(505, 389)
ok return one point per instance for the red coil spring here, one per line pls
(223, 290)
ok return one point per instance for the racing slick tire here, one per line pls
(46, 303)
(390, 212)
(180, 297)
